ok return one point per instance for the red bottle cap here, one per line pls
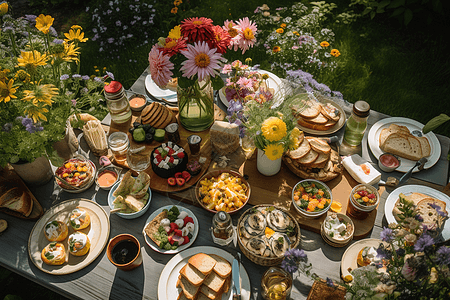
(113, 87)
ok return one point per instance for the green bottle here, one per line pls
(357, 123)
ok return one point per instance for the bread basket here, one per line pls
(258, 259)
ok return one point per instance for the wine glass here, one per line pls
(138, 159)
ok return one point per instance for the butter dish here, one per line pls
(361, 170)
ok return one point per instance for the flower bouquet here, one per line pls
(193, 53)
(416, 266)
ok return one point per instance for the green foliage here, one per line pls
(435, 123)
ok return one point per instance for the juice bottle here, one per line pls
(357, 123)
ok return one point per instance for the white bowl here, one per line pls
(337, 239)
(312, 214)
(107, 168)
(86, 186)
(134, 215)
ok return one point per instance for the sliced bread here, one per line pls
(319, 145)
(301, 151)
(430, 216)
(415, 146)
(310, 110)
(209, 293)
(330, 112)
(202, 262)
(152, 227)
(222, 266)
(181, 296)
(320, 161)
(19, 201)
(227, 284)
(425, 146)
(309, 158)
(319, 119)
(214, 282)
(192, 274)
(190, 291)
(399, 145)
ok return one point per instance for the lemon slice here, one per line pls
(336, 207)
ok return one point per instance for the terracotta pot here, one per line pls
(38, 172)
(135, 262)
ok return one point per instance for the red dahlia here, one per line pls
(221, 39)
(197, 29)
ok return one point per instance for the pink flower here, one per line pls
(294, 47)
(201, 61)
(247, 30)
(233, 31)
(160, 66)
(227, 69)
(245, 83)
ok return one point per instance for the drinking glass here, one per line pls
(138, 159)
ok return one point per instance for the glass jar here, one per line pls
(222, 230)
(357, 123)
(117, 102)
(196, 106)
(276, 283)
(118, 143)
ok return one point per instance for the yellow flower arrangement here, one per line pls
(274, 151)
(273, 129)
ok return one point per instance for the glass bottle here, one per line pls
(222, 230)
(117, 103)
(276, 284)
(357, 123)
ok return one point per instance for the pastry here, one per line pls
(56, 231)
(54, 254)
(79, 243)
(79, 219)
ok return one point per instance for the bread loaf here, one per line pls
(17, 200)
(224, 137)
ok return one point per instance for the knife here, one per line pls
(235, 277)
(420, 164)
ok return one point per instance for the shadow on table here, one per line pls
(128, 284)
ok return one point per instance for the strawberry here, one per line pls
(178, 175)
(173, 227)
(170, 238)
(171, 181)
(186, 175)
(180, 181)
(187, 220)
(170, 152)
(180, 155)
(186, 239)
(177, 232)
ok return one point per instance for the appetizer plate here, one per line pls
(135, 215)
(348, 261)
(274, 82)
(409, 189)
(86, 186)
(97, 231)
(168, 280)
(157, 92)
(333, 129)
(155, 247)
(406, 164)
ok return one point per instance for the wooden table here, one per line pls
(101, 280)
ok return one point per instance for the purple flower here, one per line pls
(110, 40)
(58, 41)
(64, 77)
(8, 28)
(418, 217)
(423, 242)
(438, 209)
(383, 253)
(330, 282)
(110, 75)
(97, 79)
(109, 11)
(30, 128)
(74, 102)
(386, 235)
(443, 255)
(39, 128)
(27, 121)
(85, 77)
(118, 23)
(76, 76)
(31, 19)
(53, 32)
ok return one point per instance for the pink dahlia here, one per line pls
(197, 29)
(221, 39)
(247, 31)
(201, 61)
(160, 66)
(233, 31)
(174, 46)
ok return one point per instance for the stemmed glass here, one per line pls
(138, 159)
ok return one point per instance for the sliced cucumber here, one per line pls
(159, 135)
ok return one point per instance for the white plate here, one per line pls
(168, 280)
(182, 247)
(97, 231)
(157, 92)
(274, 82)
(135, 215)
(350, 255)
(406, 164)
(409, 189)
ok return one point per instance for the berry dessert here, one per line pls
(168, 159)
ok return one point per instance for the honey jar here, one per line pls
(222, 231)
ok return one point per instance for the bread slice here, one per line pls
(430, 216)
(330, 112)
(209, 293)
(415, 146)
(134, 204)
(162, 118)
(393, 128)
(125, 186)
(425, 146)
(222, 266)
(226, 286)
(182, 296)
(315, 126)
(202, 262)
(190, 291)
(399, 145)
(153, 226)
(202, 296)
(310, 111)
(149, 112)
(301, 151)
(308, 158)
(319, 145)
(11, 194)
(319, 119)
(214, 282)
(192, 274)
(19, 201)
(320, 161)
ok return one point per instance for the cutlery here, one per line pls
(407, 175)
(235, 277)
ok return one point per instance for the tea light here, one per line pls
(137, 103)
(194, 142)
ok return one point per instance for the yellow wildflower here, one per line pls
(76, 36)
(174, 10)
(76, 27)
(70, 52)
(23, 76)
(280, 30)
(7, 91)
(324, 44)
(41, 94)
(283, 25)
(273, 129)
(177, 2)
(175, 33)
(43, 23)
(294, 139)
(33, 59)
(273, 151)
(3, 8)
(36, 113)
(3, 75)
(335, 52)
(296, 33)
(276, 49)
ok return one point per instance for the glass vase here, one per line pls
(276, 284)
(196, 106)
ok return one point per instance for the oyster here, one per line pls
(279, 243)
(256, 221)
(259, 246)
(279, 220)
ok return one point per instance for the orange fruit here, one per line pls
(336, 207)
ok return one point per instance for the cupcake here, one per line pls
(79, 219)
(79, 243)
(56, 231)
(54, 254)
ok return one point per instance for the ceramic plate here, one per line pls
(157, 92)
(409, 189)
(155, 247)
(348, 262)
(168, 280)
(333, 129)
(84, 188)
(406, 164)
(98, 233)
(274, 82)
(111, 199)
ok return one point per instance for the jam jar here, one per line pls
(222, 231)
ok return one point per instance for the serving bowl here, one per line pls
(137, 102)
(210, 202)
(102, 172)
(67, 187)
(306, 196)
(334, 235)
(134, 215)
(389, 162)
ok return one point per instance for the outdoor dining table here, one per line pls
(102, 280)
